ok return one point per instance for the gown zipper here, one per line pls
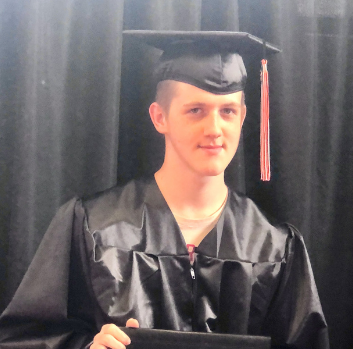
(193, 295)
(191, 250)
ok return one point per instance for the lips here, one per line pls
(211, 146)
(211, 149)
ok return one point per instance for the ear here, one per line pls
(158, 117)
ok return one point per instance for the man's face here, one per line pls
(202, 129)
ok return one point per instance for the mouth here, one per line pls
(211, 146)
(211, 149)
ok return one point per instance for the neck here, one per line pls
(190, 195)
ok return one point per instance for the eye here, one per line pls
(229, 111)
(195, 111)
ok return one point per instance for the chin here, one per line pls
(216, 168)
(208, 168)
(212, 172)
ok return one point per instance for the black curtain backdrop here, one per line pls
(73, 120)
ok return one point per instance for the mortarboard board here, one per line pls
(211, 60)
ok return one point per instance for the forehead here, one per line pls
(186, 93)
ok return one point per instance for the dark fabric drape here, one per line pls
(312, 140)
(59, 97)
(63, 131)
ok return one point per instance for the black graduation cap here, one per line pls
(211, 60)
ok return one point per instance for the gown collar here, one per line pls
(210, 245)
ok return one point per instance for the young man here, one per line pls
(202, 132)
(179, 251)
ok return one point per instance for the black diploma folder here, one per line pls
(143, 338)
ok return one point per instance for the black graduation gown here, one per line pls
(120, 254)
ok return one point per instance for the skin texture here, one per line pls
(198, 119)
(112, 337)
(202, 132)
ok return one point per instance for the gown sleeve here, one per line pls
(296, 316)
(39, 315)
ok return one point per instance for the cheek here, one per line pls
(232, 133)
(184, 135)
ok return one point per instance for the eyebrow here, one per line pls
(200, 104)
(192, 104)
(231, 104)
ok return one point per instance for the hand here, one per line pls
(113, 337)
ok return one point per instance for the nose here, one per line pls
(212, 127)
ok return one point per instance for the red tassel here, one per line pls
(265, 125)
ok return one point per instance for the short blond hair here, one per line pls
(165, 92)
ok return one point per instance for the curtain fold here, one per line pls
(311, 139)
(60, 77)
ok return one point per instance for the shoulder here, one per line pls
(119, 203)
(246, 207)
(246, 211)
(264, 238)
